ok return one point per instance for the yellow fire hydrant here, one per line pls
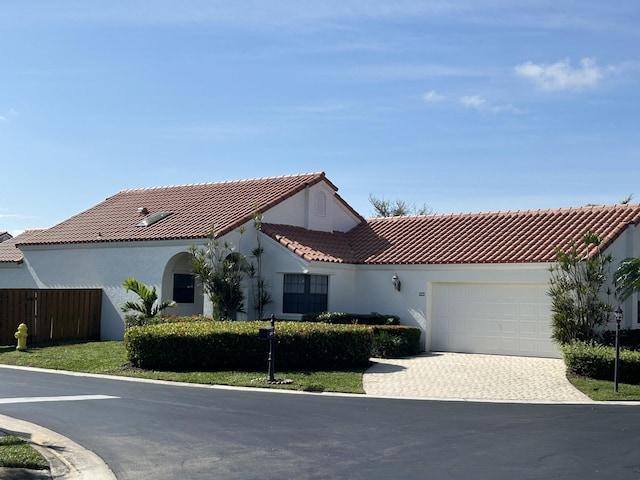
(21, 335)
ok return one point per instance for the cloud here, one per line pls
(477, 102)
(432, 97)
(474, 101)
(561, 75)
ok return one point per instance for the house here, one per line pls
(472, 282)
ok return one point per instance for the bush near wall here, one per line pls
(206, 346)
(352, 318)
(598, 361)
(395, 341)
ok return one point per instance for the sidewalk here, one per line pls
(462, 376)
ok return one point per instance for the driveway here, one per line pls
(464, 376)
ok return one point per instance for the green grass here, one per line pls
(109, 358)
(17, 453)
(603, 390)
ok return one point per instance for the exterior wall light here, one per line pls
(395, 281)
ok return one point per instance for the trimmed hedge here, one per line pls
(209, 346)
(598, 362)
(351, 318)
(395, 341)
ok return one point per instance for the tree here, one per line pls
(261, 295)
(220, 270)
(576, 291)
(396, 208)
(627, 278)
(148, 306)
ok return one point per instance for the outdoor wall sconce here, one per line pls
(395, 281)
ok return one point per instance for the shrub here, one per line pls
(206, 346)
(629, 338)
(598, 361)
(351, 318)
(395, 341)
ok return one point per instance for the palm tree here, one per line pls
(627, 278)
(148, 306)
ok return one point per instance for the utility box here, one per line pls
(266, 333)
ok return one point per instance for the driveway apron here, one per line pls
(462, 376)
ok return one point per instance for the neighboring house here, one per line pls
(472, 282)
(5, 236)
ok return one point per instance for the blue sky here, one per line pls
(464, 106)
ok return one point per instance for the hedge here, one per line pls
(598, 362)
(209, 346)
(191, 344)
(351, 318)
(395, 341)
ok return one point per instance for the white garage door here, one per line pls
(492, 318)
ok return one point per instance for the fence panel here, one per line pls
(50, 314)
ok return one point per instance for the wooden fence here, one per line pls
(50, 314)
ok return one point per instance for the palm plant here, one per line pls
(627, 278)
(148, 306)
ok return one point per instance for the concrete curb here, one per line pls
(67, 459)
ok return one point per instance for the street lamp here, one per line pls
(618, 317)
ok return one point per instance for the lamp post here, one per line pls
(618, 316)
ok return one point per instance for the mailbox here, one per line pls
(266, 333)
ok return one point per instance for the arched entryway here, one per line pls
(178, 284)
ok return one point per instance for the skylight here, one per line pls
(152, 218)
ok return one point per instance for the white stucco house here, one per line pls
(472, 282)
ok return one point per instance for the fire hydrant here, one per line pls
(21, 335)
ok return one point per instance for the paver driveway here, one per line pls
(463, 376)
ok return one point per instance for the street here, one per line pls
(149, 430)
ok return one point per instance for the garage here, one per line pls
(502, 319)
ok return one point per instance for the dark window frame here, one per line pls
(184, 291)
(305, 293)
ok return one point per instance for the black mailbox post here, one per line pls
(269, 333)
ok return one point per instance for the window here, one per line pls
(321, 204)
(305, 293)
(183, 288)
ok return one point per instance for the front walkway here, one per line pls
(463, 376)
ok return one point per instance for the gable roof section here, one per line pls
(194, 209)
(498, 237)
(9, 253)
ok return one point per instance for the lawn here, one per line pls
(603, 390)
(17, 453)
(109, 358)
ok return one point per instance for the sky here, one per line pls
(463, 106)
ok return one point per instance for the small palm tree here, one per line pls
(148, 307)
(627, 278)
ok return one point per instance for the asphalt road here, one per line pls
(159, 431)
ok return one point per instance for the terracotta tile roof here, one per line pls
(497, 237)
(313, 245)
(9, 253)
(194, 209)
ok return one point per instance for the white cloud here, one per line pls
(561, 75)
(477, 102)
(474, 101)
(3, 119)
(432, 97)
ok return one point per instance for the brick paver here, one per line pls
(472, 377)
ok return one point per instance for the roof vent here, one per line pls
(153, 218)
(143, 211)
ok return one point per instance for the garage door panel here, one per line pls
(492, 318)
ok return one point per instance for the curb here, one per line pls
(67, 460)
